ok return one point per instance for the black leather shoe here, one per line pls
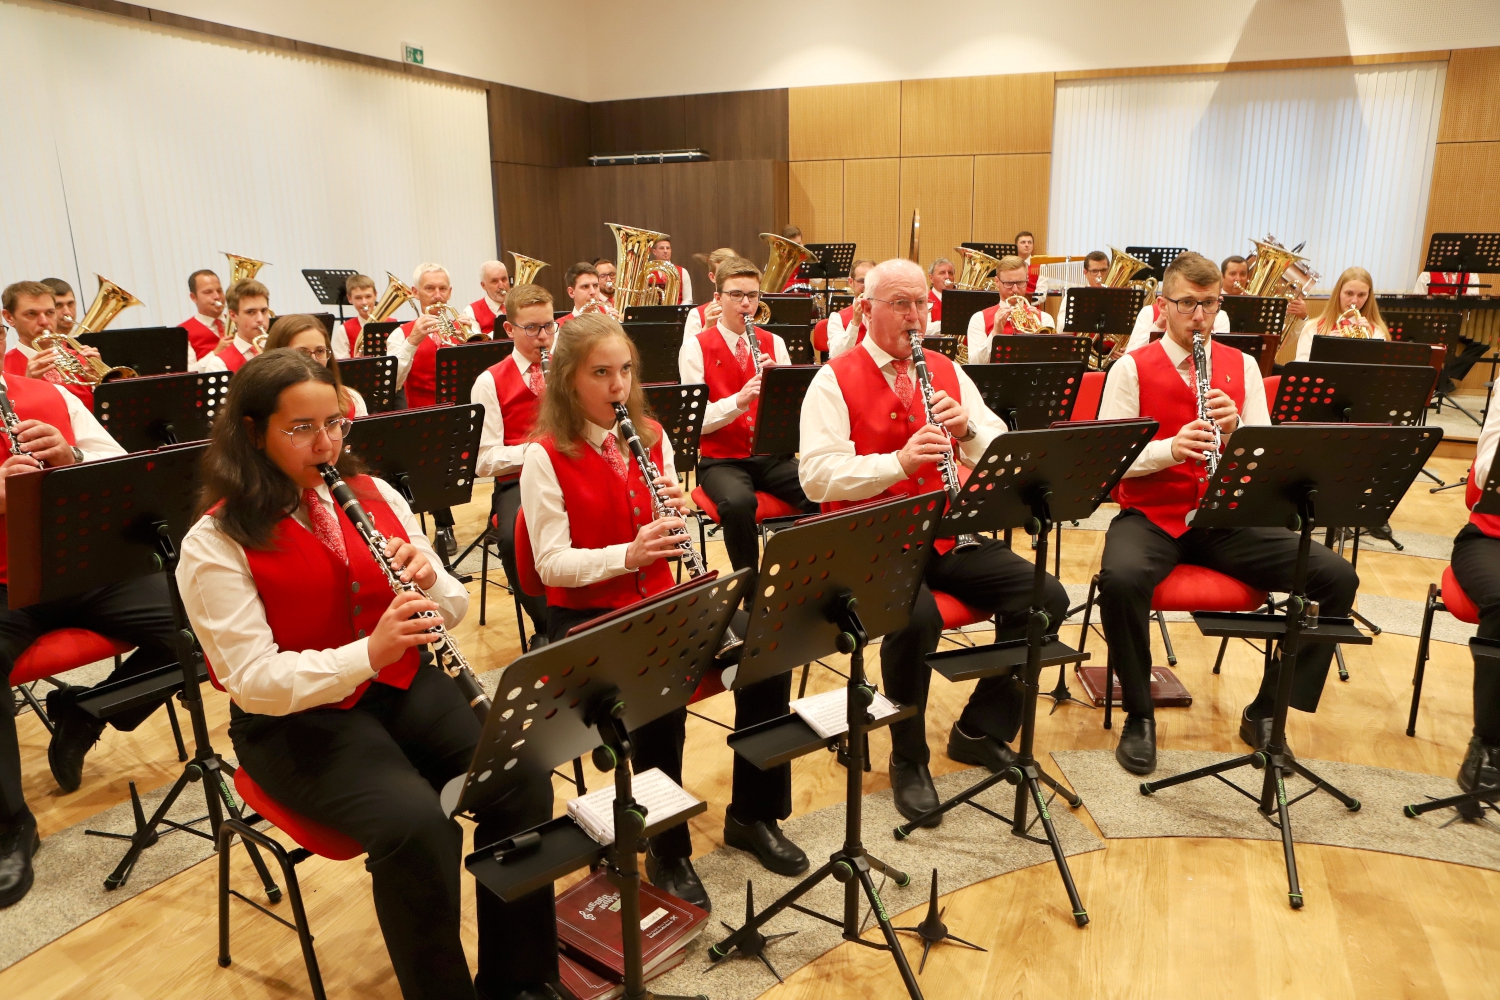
(911, 787)
(444, 542)
(1481, 766)
(17, 845)
(765, 840)
(981, 751)
(537, 641)
(1256, 733)
(676, 876)
(1136, 750)
(74, 734)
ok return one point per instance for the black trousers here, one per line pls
(138, 612)
(442, 517)
(1476, 564)
(991, 578)
(373, 772)
(504, 503)
(1138, 555)
(732, 485)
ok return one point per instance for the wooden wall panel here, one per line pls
(977, 114)
(816, 199)
(1471, 97)
(872, 207)
(848, 121)
(531, 127)
(942, 187)
(1010, 194)
(638, 126)
(1465, 197)
(527, 199)
(744, 125)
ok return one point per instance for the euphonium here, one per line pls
(1353, 324)
(526, 269)
(241, 269)
(1279, 271)
(109, 303)
(634, 269)
(397, 294)
(1121, 274)
(978, 271)
(72, 366)
(1024, 317)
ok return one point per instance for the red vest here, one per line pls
(989, 321)
(1167, 495)
(846, 316)
(1487, 523)
(795, 278)
(32, 399)
(1033, 271)
(421, 380)
(1447, 283)
(203, 338)
(879, 424)
(518, 405)
(232, 358)
(15, 364)
(351, 330)
(601, 513)
(725, 378)
(702, 312)
(314, 601)
(484, 315)
(566, 317)
(934, 306)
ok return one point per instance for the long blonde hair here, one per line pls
(561, 415)
(1371, 310)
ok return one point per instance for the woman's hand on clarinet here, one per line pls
(397, 631)
(654, 541)
(671, 491)
(412, 565)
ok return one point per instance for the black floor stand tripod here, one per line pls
(933, 931)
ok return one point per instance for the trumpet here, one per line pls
(948, 468)
(1353, 324)
(448, 655)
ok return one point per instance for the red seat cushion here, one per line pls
(1089, 393)
(1198, 588)
(1273, 383)
(820, 337)
(313, 836)
(957, 614)
(766, 506)
(1456, 601)
(525, 560)
(64, 649)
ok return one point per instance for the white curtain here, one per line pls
(141, 153)
(1339, 157)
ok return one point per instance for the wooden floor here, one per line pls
(1171, 917)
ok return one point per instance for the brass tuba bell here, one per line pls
(109, 303)
(978, 271)
(242, 269)
(1123, 268)
(634, 269)
(786, 256)
(526, 269)
(397, 294)
(72, 366)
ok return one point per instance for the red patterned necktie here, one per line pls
(903, 386)
(612, 456)
(742, 355)
(535, 381)
(219, 327)
(324, 525)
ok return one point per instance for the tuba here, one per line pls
(786, 256)
(109, 303)
(978, 271)
(1121, 274)
(242, 269)
(1279, 271)
(526, 269)
(634, 270)
(72, 366)
(397, 294)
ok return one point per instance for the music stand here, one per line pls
(1260, 346)
(1032, 347)
(834, 258)
(831, 583)
(1157, 257)
(959, 305)
(1330, 393)
(110, 522)
(373, 377)
(1033, 479)
(658, 314)
(1029, 395)
(778, 421)
(328, 285)
(376, 334)
(458, 366)
(993, 249)
(679, 409)
(1255, 313)
(1477, 253)
(789, 309)
(1439, 328)
(588, 692)
(1298, 478)
(658, 344)
(146, 413)
(798, 340)
(1103, 313)
(943, 343)
(150, 350)
(1352, 351)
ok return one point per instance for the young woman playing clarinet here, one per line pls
(337, 711)
(304, 333)
(597, 543)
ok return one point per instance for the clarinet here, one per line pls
(445, 649)
(754, 345)
(696, 567)
(12, 425)
(1201, 387)
(546, 362)
(949, 470)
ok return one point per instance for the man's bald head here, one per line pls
(890, 273)
(494, 278)
(896, 280)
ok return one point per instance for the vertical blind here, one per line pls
(141, 153)
(1339, 157)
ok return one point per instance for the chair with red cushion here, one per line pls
(820, 337)
(1086, 407)
(1186, 588)
(1273, 383)
(1449, 597)
(312, 838)
(767, 508)
(57, 652)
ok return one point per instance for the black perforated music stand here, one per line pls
(1023, 348)
(150, 350)
(1260, 346)
(460, 365)
(831, 583)
(1299, 478)
(1105, 314)
(959, 306)
(428, 455)
(587, 693)
(1325, 392)
(834, 259)
(74, 528)
(1351, 351)
(798, 340)
(1440, 328)
(658, 344)
(1255, 313)
(1157, 257)
(1029, 395)
(790, 309)
(328, 285)
(778, 422)
(376, 335)
(374, 378)
(943, 343)
(993, 249)
(1473, 252)
(146, 413)
(679, 408)
(658, 314)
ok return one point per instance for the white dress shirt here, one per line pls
(89, 436)
(496, 458)
(1140, 334)
(229, 618)
(498, 308)
(404, 351)
(979, 342)
(340, 339)
(1122, 401)
(558, 562)
(692, 326)
(1314, 328)
(1484, 450)
(687, 286)
(195, 363)
(841, 338)
(360, 409)
(724, 411)
(829, 468)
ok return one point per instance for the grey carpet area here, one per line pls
(969, 847)
(1209, 808)
(71, 868)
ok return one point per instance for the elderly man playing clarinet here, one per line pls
(865, 436)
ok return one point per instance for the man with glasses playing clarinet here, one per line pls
(1150, 536)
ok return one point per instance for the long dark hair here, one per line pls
(561, 415)
(250, 493)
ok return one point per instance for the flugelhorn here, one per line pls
(452, 328)
(1353, 324)
(73, 367)
(1024, 317)
(526, 269)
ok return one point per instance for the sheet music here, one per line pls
(662, 797)
(828, 713)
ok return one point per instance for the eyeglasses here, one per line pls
(1186, 306)
(739, 296)
(316, 353)
(904, 306)
(1012, 284)
(536, 329)
(303, 435)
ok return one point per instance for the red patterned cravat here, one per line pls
(610, 449)
(535, 381)
(903, 386)
(324, 524)
(742, 355)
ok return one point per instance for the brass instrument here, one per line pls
(978, 271)
(109, 303)
(397, 294)
(451, 326)
(947, 467)
(526, 269)
(73, 366)
(786, 256)
(241, 269)
(1121, 274)
(914, 241)
(1024, 317)
(634, 269)
(1353, 324)
(1275, 270)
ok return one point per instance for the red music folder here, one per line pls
(585, 983)
(1166, 690)
(588, 925)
